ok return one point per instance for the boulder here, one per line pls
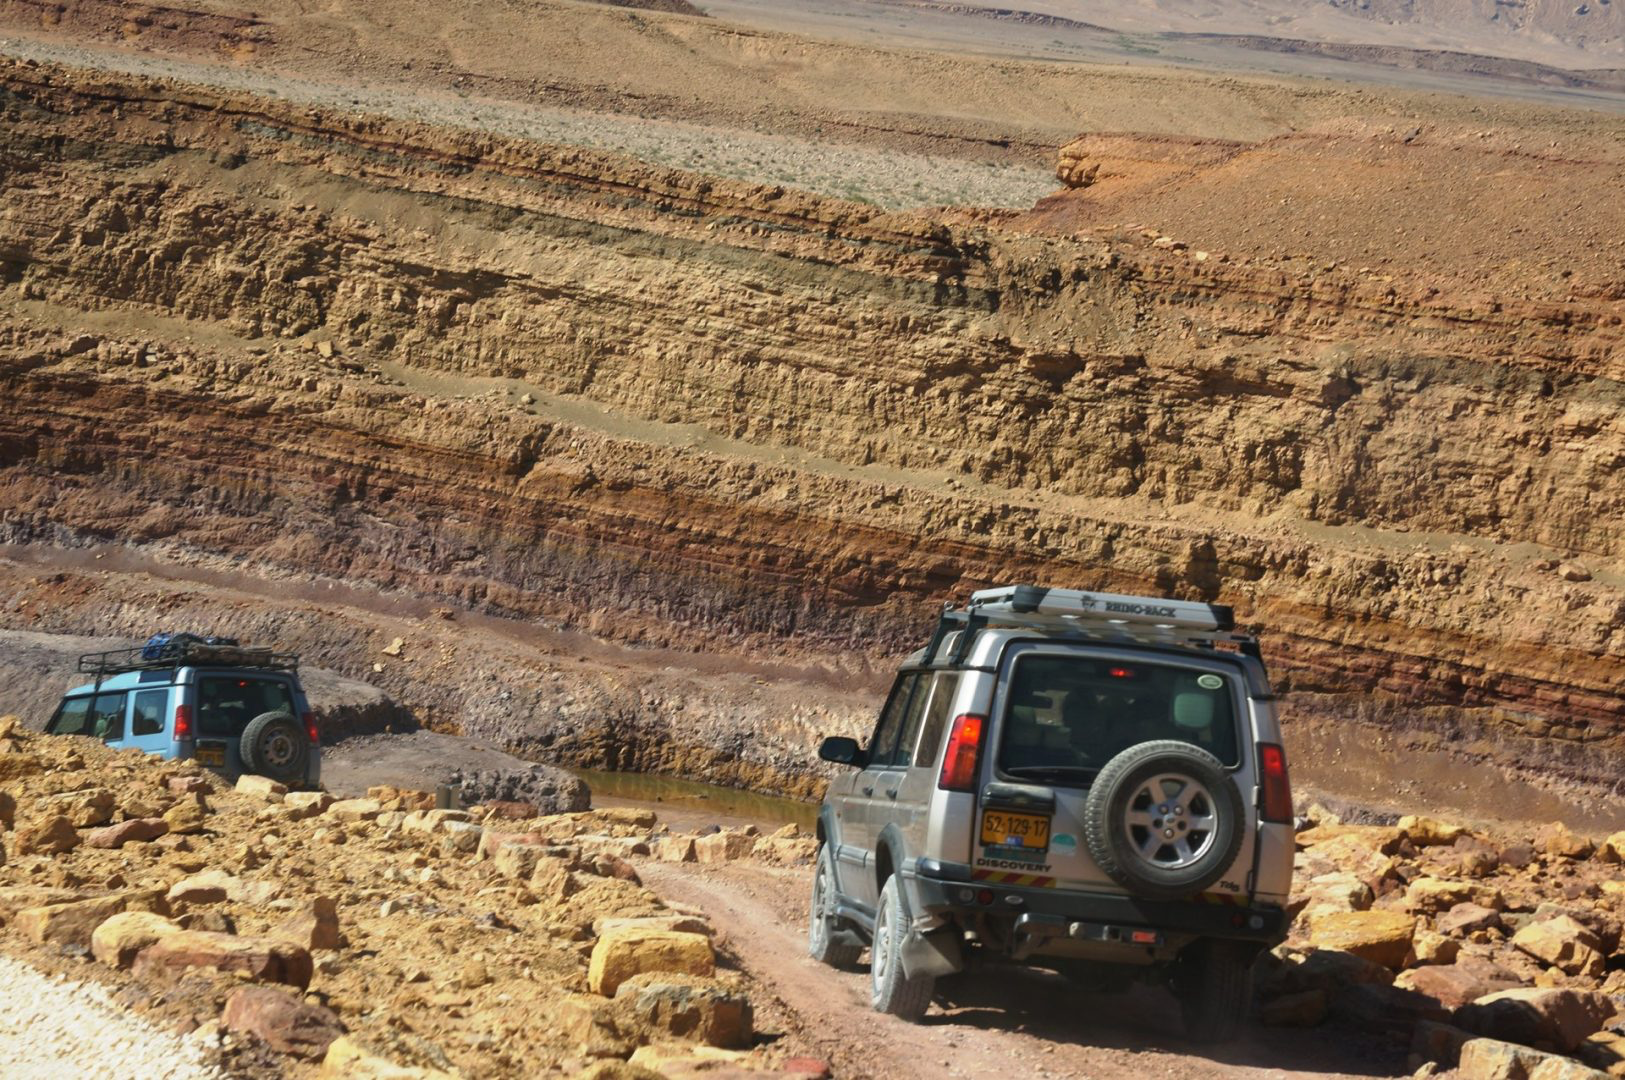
(209, 887)
(723, 847)
(460, 837)
(1324, 969)
(189, 785)
(313, 926)
(47, 836)
(687, 924)
(1492, 1059)
(1429, 896)
(85, 809)
(306, 804)
(1373, 1005)
(1611, 850)
(1605, 1051)
(1606, 926)
(119, 938)
(353, 810)
(19, 897)
(1562, 943)
(348, 1059)
(678, 849)
(186, 818)
(433, 821)
(131, 831)
(1306, 1008)
(74, 923)
(1558, 1017)
(621, 954)
(281, 1021)
(687, 1007)
(1384, 839)
(552, 880)
(1453, 985)
(1358, 855)
(507, 810)
(1431, 947)
(261, 787)
(1429, 832)
(1382, 937)
(686, 1061)
(1559, 841)
(260, 959)
(1464, 918)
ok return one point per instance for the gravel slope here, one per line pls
(51, 1028)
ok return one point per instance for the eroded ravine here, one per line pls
(769, 424)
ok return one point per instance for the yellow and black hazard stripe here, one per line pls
(1011, 877)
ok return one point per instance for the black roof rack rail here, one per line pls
(119, 661)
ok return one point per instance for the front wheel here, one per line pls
(890, 990)
(821, 920)
(1215, 988)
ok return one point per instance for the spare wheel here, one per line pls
(274, 744)
(1164, 819)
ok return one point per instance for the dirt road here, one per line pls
(1007, 1023)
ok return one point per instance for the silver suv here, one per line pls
(1090, 782)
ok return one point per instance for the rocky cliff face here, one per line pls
(564, 387)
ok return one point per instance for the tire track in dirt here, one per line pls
(1015, 1022)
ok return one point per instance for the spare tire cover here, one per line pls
(274, 744)
(1164, 819)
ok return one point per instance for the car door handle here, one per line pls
(891, 791)
(868, 791)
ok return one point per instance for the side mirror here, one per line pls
(841, 750)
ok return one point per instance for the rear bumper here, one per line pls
(948, 889)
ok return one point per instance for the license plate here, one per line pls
(1004, 829)
(212, 755)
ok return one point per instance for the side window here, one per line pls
(891, 720)
(936, 719)
(107, 716)
(147, 718)
(72, 717)
(911, 722)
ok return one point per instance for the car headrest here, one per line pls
(1193, 710)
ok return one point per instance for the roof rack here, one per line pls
(118, 661)
(1107, 617)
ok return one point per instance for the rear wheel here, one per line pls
(1214, 984)
(822, 922)
(274, 744)
(890, 990)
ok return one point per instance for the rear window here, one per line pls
(225, 704)
(1073, 714)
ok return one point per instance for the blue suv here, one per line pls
(235, 710)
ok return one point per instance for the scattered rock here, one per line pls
(76, 922)
(306, 804)
(354, 810)
(1382, 937)
(1557, 840)
(53, 835)
(314, 926)
(262, 787)
(281, 1021)
(1531, 1016)
(186, 818)
(1429, 832)
(550, 790)
(1305, 1008)
(1564, 944)
(209, 887)
(1452, 985)
(119, 938)
(131, 831)
(1431, 895)
(687, 1007)
(678, 849)
(621, 954)
(1611, 850)
(723, 847)
(1466, 917)
(84, 809)
(347, 1059)
(260, 959)
(1492, 1059)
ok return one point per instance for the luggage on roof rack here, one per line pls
(1145, 620)
(181, 650)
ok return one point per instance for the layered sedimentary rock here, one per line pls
(566, 387)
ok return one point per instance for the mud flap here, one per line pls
(933, 954)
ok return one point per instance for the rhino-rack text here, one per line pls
(1141, 609)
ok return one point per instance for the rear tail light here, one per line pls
(1275, 790)
(310, 729)
(183, 723)
(964, 748)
